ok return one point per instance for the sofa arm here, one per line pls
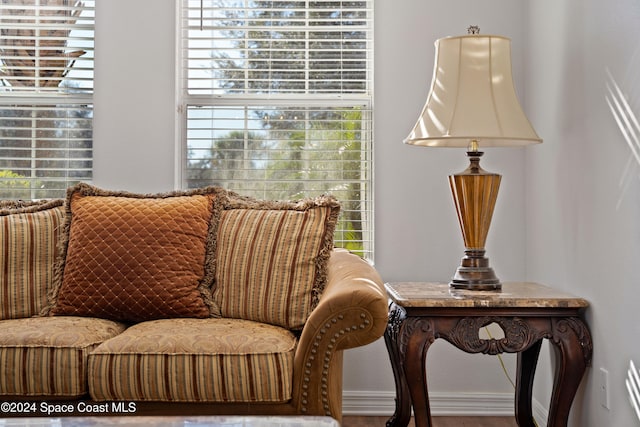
(352, 312)
(354, 302)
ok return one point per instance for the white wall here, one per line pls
(134, 117)
(583, 188)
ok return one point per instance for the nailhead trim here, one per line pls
(327, 358)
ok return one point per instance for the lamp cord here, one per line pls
(504, 369)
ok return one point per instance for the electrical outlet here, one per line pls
(604, 387)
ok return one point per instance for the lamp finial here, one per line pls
(473, 29)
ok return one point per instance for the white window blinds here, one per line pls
(46, 90)
(277, 103)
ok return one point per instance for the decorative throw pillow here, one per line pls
(29, 232)
(271, 258)
(132, 257)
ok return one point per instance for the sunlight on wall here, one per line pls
(629, 127)
(633, 387)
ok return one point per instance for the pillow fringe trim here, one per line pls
(237, 201)
(10, 207)
(89, 190)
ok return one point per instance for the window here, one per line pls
(276, 102)
(46, 91)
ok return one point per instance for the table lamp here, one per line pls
(472, 103)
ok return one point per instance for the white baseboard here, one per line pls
(374, 403)
(382, 403)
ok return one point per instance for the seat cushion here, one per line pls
(29, 233)
(47, 356)
(271, 258)
(135, 257)
(194, 360)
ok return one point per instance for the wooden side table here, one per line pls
(421, 312)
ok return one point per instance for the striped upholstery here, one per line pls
(47, 356)
(29, 234)
(271, 258)
(194, 360)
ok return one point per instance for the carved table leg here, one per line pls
(573, 349)
(418, 333)
(402, 414)
(526, 369)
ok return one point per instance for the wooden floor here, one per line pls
(359, 421)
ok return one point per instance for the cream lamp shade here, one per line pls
(472, 97)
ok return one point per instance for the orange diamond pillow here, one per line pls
(130, 257)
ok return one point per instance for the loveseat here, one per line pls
(198, 302)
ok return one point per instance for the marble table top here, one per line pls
(513, 295)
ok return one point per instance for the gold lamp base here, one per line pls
(475, 192)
